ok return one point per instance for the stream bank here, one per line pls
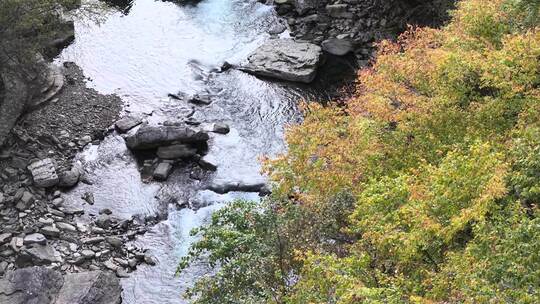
(354, 26)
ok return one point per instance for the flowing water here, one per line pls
(144, 51)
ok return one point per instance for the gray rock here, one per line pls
(127, 123)
(35, 238)
(44, 173)
(35, 285)
(41, 254)
(96, 287)
(220, 128)
(5, 237)
(71, 210)
(201, 99)
(3, 267)
(162, 171)
(208, 162)
(94, 240)
(150, 137)
(88, 254)
(337, 47)
(121, 273)
(304, 6)
(97, 230)
(45, 221)
(176, 151)
(104, 221)
(285, 59)
(25, 201)
(106, 211)
(40, 285)
(50, 231)
(58, 202)
(339, 11)
(69, 178)
(110, 265)
(222, 187)
(16, 243)
(114, 241)
(88, 197)
(149, 259)
(66, 227)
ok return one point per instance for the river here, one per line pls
(144, 52)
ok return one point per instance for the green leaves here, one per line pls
(245, 243)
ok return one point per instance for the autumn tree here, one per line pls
(438, 153)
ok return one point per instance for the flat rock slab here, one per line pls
(151, 137)
(285, 59)
(41, 254)
(127, 123)
(44, 173)
(39, 285)
(162, 171)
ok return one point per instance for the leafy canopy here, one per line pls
(424, 188)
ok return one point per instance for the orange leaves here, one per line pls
(326, 154)
(515, 68)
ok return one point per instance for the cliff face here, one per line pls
(351, 26)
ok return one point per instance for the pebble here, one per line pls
(57, 202)
(5, 237)
(150, 260)
(114, 241)
(88, 254)
(97, 230)
(110, 265)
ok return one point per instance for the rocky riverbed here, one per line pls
(38, 226)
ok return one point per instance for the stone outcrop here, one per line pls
(40, 285)
(22, 93)
(222, 187)
(151, 137)
(352, 26)
(285, 59)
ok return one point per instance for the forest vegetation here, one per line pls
(422, 188)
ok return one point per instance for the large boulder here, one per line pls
(44, 173)
(285, 59)
(151, 137)
(40, 285)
